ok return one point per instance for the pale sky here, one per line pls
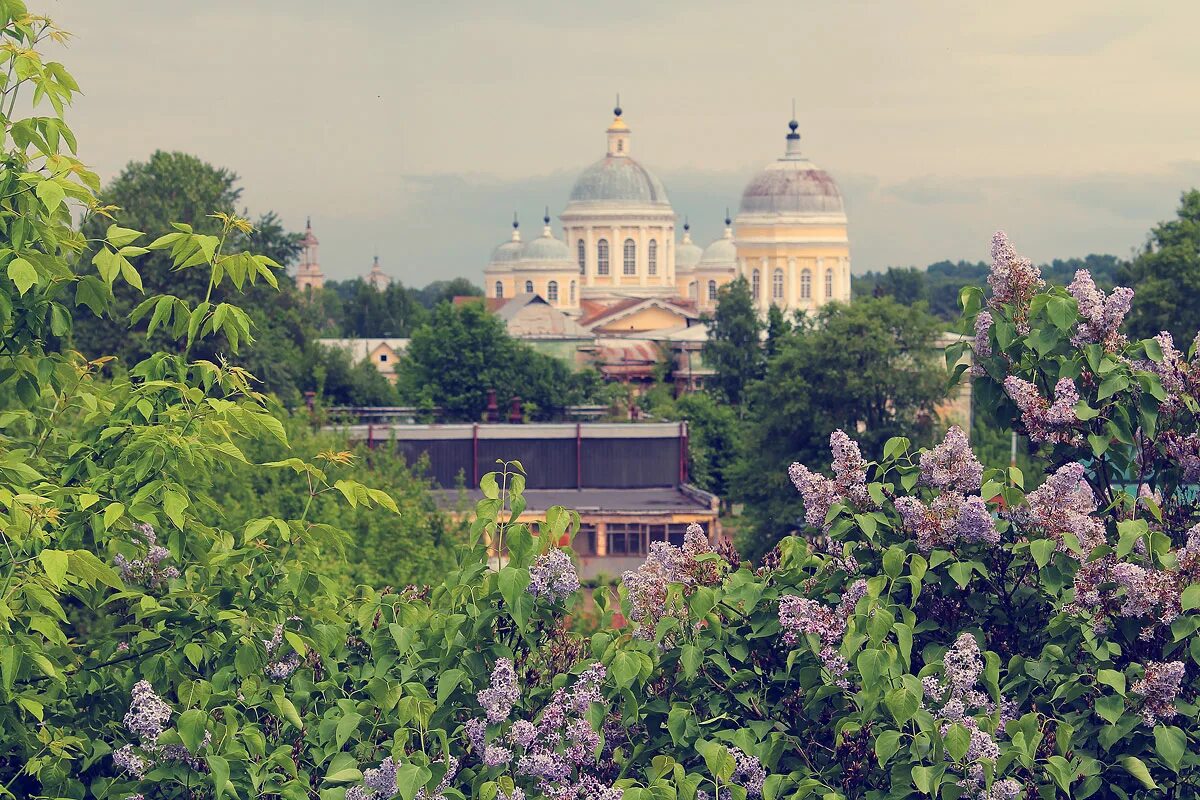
(415, 129)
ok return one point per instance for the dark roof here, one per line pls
(664, 500)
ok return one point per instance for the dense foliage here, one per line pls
(1166, 275)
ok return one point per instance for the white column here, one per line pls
(764, 284)
(616, 256)
(589, 258)
(791, 286)
(643, 251)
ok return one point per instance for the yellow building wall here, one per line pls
(648, 319)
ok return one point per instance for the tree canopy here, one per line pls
(1165, 275)
(733, 347)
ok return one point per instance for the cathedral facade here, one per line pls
(788, 240)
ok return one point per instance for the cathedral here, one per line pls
(619, 246)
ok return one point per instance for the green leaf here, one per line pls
(191, 728)
(1115, 382)
(1042, 550)
(51, 194)
(112, 513)
(513, 582)
(691, 659)
(346, 726)
(448, 681)
(174, 504)
(410, 778)
(886, 746)
(961, 572)
(55, 564)
(958, 741)
(1110, 707)
(1113, 678)
(1191, 597)
(287, 710)
(1170, 743)
(893, 561)
(119, 237)
(902, 703)
(625, 667)
(219, 767)
(22, 273)
(871, 664)
(718, 759)
(922, 778)
(1137, 768)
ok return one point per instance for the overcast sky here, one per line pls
(417, 128)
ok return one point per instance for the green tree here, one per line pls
(445, 291)
(778, 328)
(734, 347)
(870, 368)
(464, 350)
(1165, 276)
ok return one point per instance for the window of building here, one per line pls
(712, 290)
(552, 291)
(383, 357)
(828, 283)
(602, 257)
(652, 257)
(584, 543)
(626, 539)
(572, 295)
(755, 285)
(581, 254)
(777, 285)
(528, 287)
(806, 284)
(620, 145)
(630, 257)
(675, 533)
(499, 289)
(693, 291)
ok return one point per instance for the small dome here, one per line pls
(722, 252)
(792, 185)
(507, 253)
(618, 180)
(688, 253)
(546, 251)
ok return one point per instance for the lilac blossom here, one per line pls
(819, 493)
(983, 341)
(1105, 587)
(952, 465)
(129, 761)
(280, 669)
(552, 576)
(1014, 280)
(1064, 505)
(1045, 421)
(799, 616)
(1159, 686)
(150, 571)
(664, 565)
(1102, 316)
(949, 519)
(849, 468)
(1184, 450)
(148, 713)
(1172, 370)
(499, 698)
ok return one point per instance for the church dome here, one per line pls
(722, 252)
(509, 252)
(688, 253)
(546, 251)
(617, 179)
(791, 186)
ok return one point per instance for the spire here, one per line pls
(516, 234)
(728, 224)
(617, 109)
(308, 223)
(618, 133)
(687, 231)
(546, 232)
(793, 138)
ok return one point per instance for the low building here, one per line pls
(382, 353)
(543, 327)
(628, 482)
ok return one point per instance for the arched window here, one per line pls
(581, 250)
(572, 295)
(777, 285)
(552, 291)
(652, 257)
(828, 283)
(528, 287)
(712, 290)
(630, 257)
(806, 285)
(694, 290)
(755, 285)
(602, 257)
(499, 289)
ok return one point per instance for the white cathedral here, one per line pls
(788, 240)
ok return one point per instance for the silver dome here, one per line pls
(792, 185)
(506, 254)
(720, 253)
(687, 254)
(619, 179)
(547, 250)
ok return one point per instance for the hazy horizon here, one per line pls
(416, 130)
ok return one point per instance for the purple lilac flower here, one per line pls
(1045, 421)
(800, 615)
(1102, 316)
(382, 779)
(1159, 686)
(553, 576)
(748, 772)
(952, 465)
(148, 713)
(150, 571)
(819, 493)
(1014, 280)
(499, 699)
(129, 761)
(1172, 371)
(1064, 504)
(517, 794)
(849, 468)
(983, 341)
(522, 733)
(666, 564)
(962, 664)
(1184, 450)
(361, 793)
(949, 519)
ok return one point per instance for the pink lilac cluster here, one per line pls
(748, 773)
(1014, 280)
(1188, 557)
(1105, 587)
(379, 783)
(280, 669)
(1184, 451)
(950, 518)
(1064, 504)
(951, 465)
(1158, 688)
(1173, 371)
(799, 616)
(849, 483)
(664, 565)
(558, 749)
(1102, 316)
(146, 719)
(956, 699)
(553, 577)
(499, 698)
(150, 571)
(1044, 421)
(983, 340)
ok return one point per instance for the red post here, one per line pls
(475, 455)
(683, 452)
(578, 456)
(370, 435)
